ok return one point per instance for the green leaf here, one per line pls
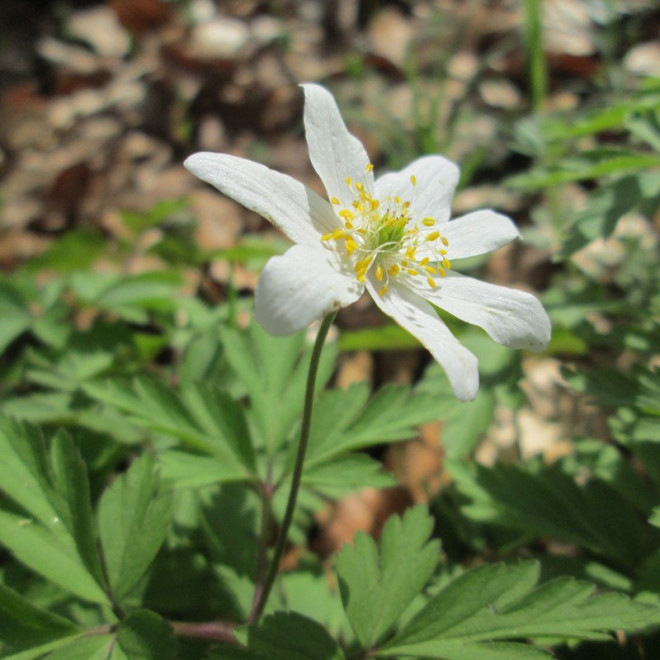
(291, 636)
(462, 650)
(51, 552)
(96, 647)
(40, 407)
(73, 503)
(183, 469)
(24, 468)
(56, 536)
(377, 584)
(500, 602)
(133, 296)
(464, 427)
(15, 317)
(547, 502)
(23, 625)
(223, 418)
(75, 250)
(308, 590)
(133, 521)
(607, 205)
(274, 372)
(215, 426)
(74, 368)
(344, 420)
(86, 648)
(346, 474)
(229, 520)
(386, 337)
(589, 165)
(143, 635)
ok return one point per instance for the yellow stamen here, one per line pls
(346, 214)
(431, 282)
(368, 168)
(359, 186)
(382, 291)
(374, 204)
(348, 180)
(424, 261)
(379, 273)
(412, 271)
(446, 263)
(413, 180)
(350, 246)
(445, 242)
(428, 222)
(334, 200)
(432, 236)
(363, 264)
(394, 270)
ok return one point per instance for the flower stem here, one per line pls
(296, 477)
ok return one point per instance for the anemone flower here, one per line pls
(390, 236)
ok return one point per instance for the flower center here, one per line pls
(383, 236)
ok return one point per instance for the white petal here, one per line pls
(294, 209)
(511, 317)
(436, 177)
(420, 320)
(334, 152)
(478, 233)
(302, 285)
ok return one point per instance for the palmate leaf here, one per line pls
(201, 416)
(131, 297)
(472, 615)
(346, 474)
(285, 636)
(23, 625)
(143, 635)
(56, 536)
(274, 373)
(24, 468)
(607, 204)
(345, 420)
(94, 647)
(15, 314)
(545, 501)
(50, 551)
(133, 520)
(378, 584)
(73, 501)
(588, 165)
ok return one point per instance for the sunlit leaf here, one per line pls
(133, 520)
(378, 583)
(500, 602)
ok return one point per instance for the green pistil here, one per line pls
(391, 231)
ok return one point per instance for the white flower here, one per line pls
(390, 236)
